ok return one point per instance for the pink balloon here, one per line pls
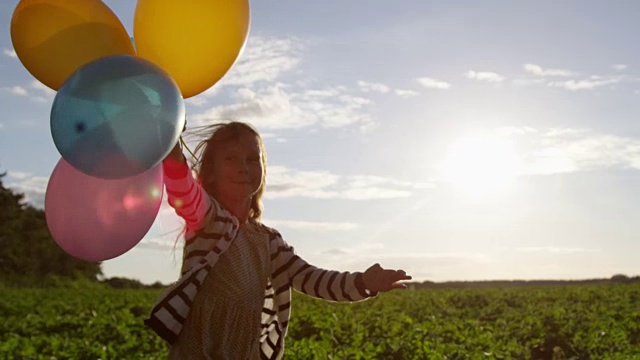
(96, 219)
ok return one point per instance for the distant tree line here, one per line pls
(30, 257)
(28, 253)
(125, 283)
(615, 279)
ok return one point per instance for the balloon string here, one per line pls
(184, 145)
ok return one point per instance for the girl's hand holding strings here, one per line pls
(377, 279)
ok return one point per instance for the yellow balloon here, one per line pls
(195, 41)
(53, 38)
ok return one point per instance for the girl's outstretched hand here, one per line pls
(377, 279)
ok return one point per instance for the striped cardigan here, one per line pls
(210, 231)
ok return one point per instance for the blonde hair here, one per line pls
(219, 135)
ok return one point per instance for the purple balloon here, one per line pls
(96, 219)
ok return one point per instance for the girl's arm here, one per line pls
(330, 284)
(184, 194)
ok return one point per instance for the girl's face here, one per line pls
(238, 169)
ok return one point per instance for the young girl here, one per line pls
(233, 298)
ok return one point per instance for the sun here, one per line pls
(481, 164)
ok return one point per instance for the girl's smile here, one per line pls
(238, 170)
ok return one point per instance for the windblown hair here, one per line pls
(216, 136)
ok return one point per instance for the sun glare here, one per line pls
(484, 165)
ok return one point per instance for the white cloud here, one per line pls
(374, 192)
(566, 150)
(550, 151)
(160, 243)
(514, 130)
(270, 104)
(335, 252)
(36, 91)
(277, 107)
(539, 71)
(347, 111)
(17, 90)
(264, 60)
(373, 87)
(283, 182)
(271, 108)
(311, 226)
(556, 250)
(588, 84)
(525, 82)
(406, 93)
(433, 83)
(484, 76)
(358, 249)
(461, 256)
(360, 258)
(19, 175)
(10, 53)
(1, 126)
(197, 100)
(363, 181)
(42, 92)
(33, 187)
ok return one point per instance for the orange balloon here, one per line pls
(53, 38)
(195, 41)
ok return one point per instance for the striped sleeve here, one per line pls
(185, 195)
(289, 268)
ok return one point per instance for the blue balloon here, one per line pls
(117, 117)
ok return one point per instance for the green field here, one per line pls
(569, 322)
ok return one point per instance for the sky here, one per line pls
(457, 140)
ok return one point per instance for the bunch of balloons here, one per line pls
(119, 107)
